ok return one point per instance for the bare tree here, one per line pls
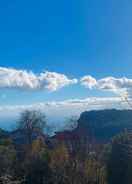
(71, 123)
(30, 121)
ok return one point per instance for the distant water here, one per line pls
(8, 124)
(53, 124)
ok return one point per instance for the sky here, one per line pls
(62, 51)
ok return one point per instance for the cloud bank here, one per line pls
(120, 86)
(52, 81)
(58, 112)
(21, 79)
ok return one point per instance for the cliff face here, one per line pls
(104, 124)
(100, 125)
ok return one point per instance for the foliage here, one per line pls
(7, 157)
(119, 164)
(47, 161)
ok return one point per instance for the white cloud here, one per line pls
(112, 83)
(21, 79)
(53, 81)
(117, 85)
(88, 81)
(11, 78)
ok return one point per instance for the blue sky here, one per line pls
(74, 37)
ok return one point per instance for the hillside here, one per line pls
(100, 124)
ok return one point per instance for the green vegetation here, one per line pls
(27, 156)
